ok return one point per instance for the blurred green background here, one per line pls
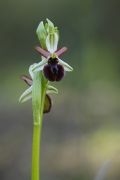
(81, 134)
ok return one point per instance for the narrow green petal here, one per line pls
(31, 69)
(51, 89)
(50, 24)
(39, 66)
(26, 95)
(66, 66)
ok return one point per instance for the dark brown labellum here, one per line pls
(53, 72)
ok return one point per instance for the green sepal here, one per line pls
(42, 34)
(50, 28)
(27, 94)
(51, 89)
(49, 23)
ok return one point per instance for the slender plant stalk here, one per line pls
(35, 152)
(38, 97)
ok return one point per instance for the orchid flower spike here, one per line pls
(52, 66)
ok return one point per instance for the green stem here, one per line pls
(38, 98)
(35, 152)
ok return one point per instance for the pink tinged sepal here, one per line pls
(61, 51)
(27, 80)
(42, 51)
(47, 54)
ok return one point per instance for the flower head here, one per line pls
(52, 66)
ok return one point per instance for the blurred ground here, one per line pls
(82, 132)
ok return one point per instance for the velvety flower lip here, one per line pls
(53, 71)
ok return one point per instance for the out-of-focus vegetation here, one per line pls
(82, 132)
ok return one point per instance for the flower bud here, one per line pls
(48, 36)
